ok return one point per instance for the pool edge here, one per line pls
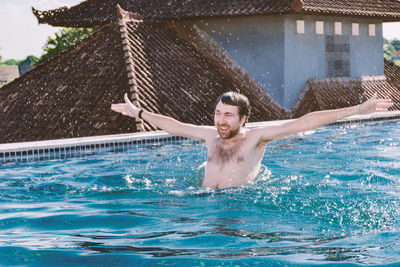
(98, 142)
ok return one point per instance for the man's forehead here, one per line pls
(226, 108)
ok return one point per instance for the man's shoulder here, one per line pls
(254, 135)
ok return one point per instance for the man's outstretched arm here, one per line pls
(165, 123)
(316, 119)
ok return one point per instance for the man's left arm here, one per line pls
(317, 119)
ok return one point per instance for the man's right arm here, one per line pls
(165, 123)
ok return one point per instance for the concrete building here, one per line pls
(281, 44)
(395, 56)
(283, 52)
(8, 73)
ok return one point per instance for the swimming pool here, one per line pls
(329, 196)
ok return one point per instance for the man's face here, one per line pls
(227, 121)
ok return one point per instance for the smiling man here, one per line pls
(234, 153)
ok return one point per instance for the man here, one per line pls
(235, 153)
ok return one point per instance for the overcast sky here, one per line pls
(21, 35)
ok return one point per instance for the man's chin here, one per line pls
(227, 135)
(224, 136)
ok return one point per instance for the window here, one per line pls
(319, 27)
(371, 29)
(355, 29)
(300, 26)
(338, 28)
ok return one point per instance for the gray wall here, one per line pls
(257, 44)
(366, 52)
(281, 60)
(304, 58)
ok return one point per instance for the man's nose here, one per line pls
(221, 120)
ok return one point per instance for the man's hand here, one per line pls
(374, 104)
(127, 108)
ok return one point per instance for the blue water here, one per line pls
(324, 197)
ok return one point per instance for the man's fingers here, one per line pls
(118, 107)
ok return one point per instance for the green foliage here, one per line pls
(31, 60)
(396, 44)
(11, 62)
(389, 49)
(397, 62)
(62, 40)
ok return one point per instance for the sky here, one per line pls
(21, 35)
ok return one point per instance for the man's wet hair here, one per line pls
(237, 100)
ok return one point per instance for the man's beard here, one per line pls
(229, 134)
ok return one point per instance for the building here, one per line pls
(175, 57)
(281, 44)
(395, 56)
(8, 73)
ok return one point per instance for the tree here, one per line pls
(396, 44)
(11, 62)
(63, 39)
(388, 49)
(31, 60)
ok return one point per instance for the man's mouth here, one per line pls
(224, 128)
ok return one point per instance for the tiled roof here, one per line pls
(395, 54)
(331, 93)
(162, 68)
(69, 96)
(392, 73)
(97, 12)
(8, 73)
(386, 9)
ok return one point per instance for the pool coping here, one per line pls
(102, 142)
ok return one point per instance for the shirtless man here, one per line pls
(235, 153)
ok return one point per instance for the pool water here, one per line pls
(329, 196)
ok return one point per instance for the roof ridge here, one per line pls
(297, 5)
(306, 88)
(373, 78)
(90, 13)
(128, 15)
(130, 66)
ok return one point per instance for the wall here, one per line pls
(304, 57)
(366, 52)
(328, 55)
(256, 43)
(281, 60)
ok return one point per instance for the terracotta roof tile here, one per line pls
(98, 12)
(71, 95)
(331, 93)
(392, 73)
(172, 74)
(386, 10)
